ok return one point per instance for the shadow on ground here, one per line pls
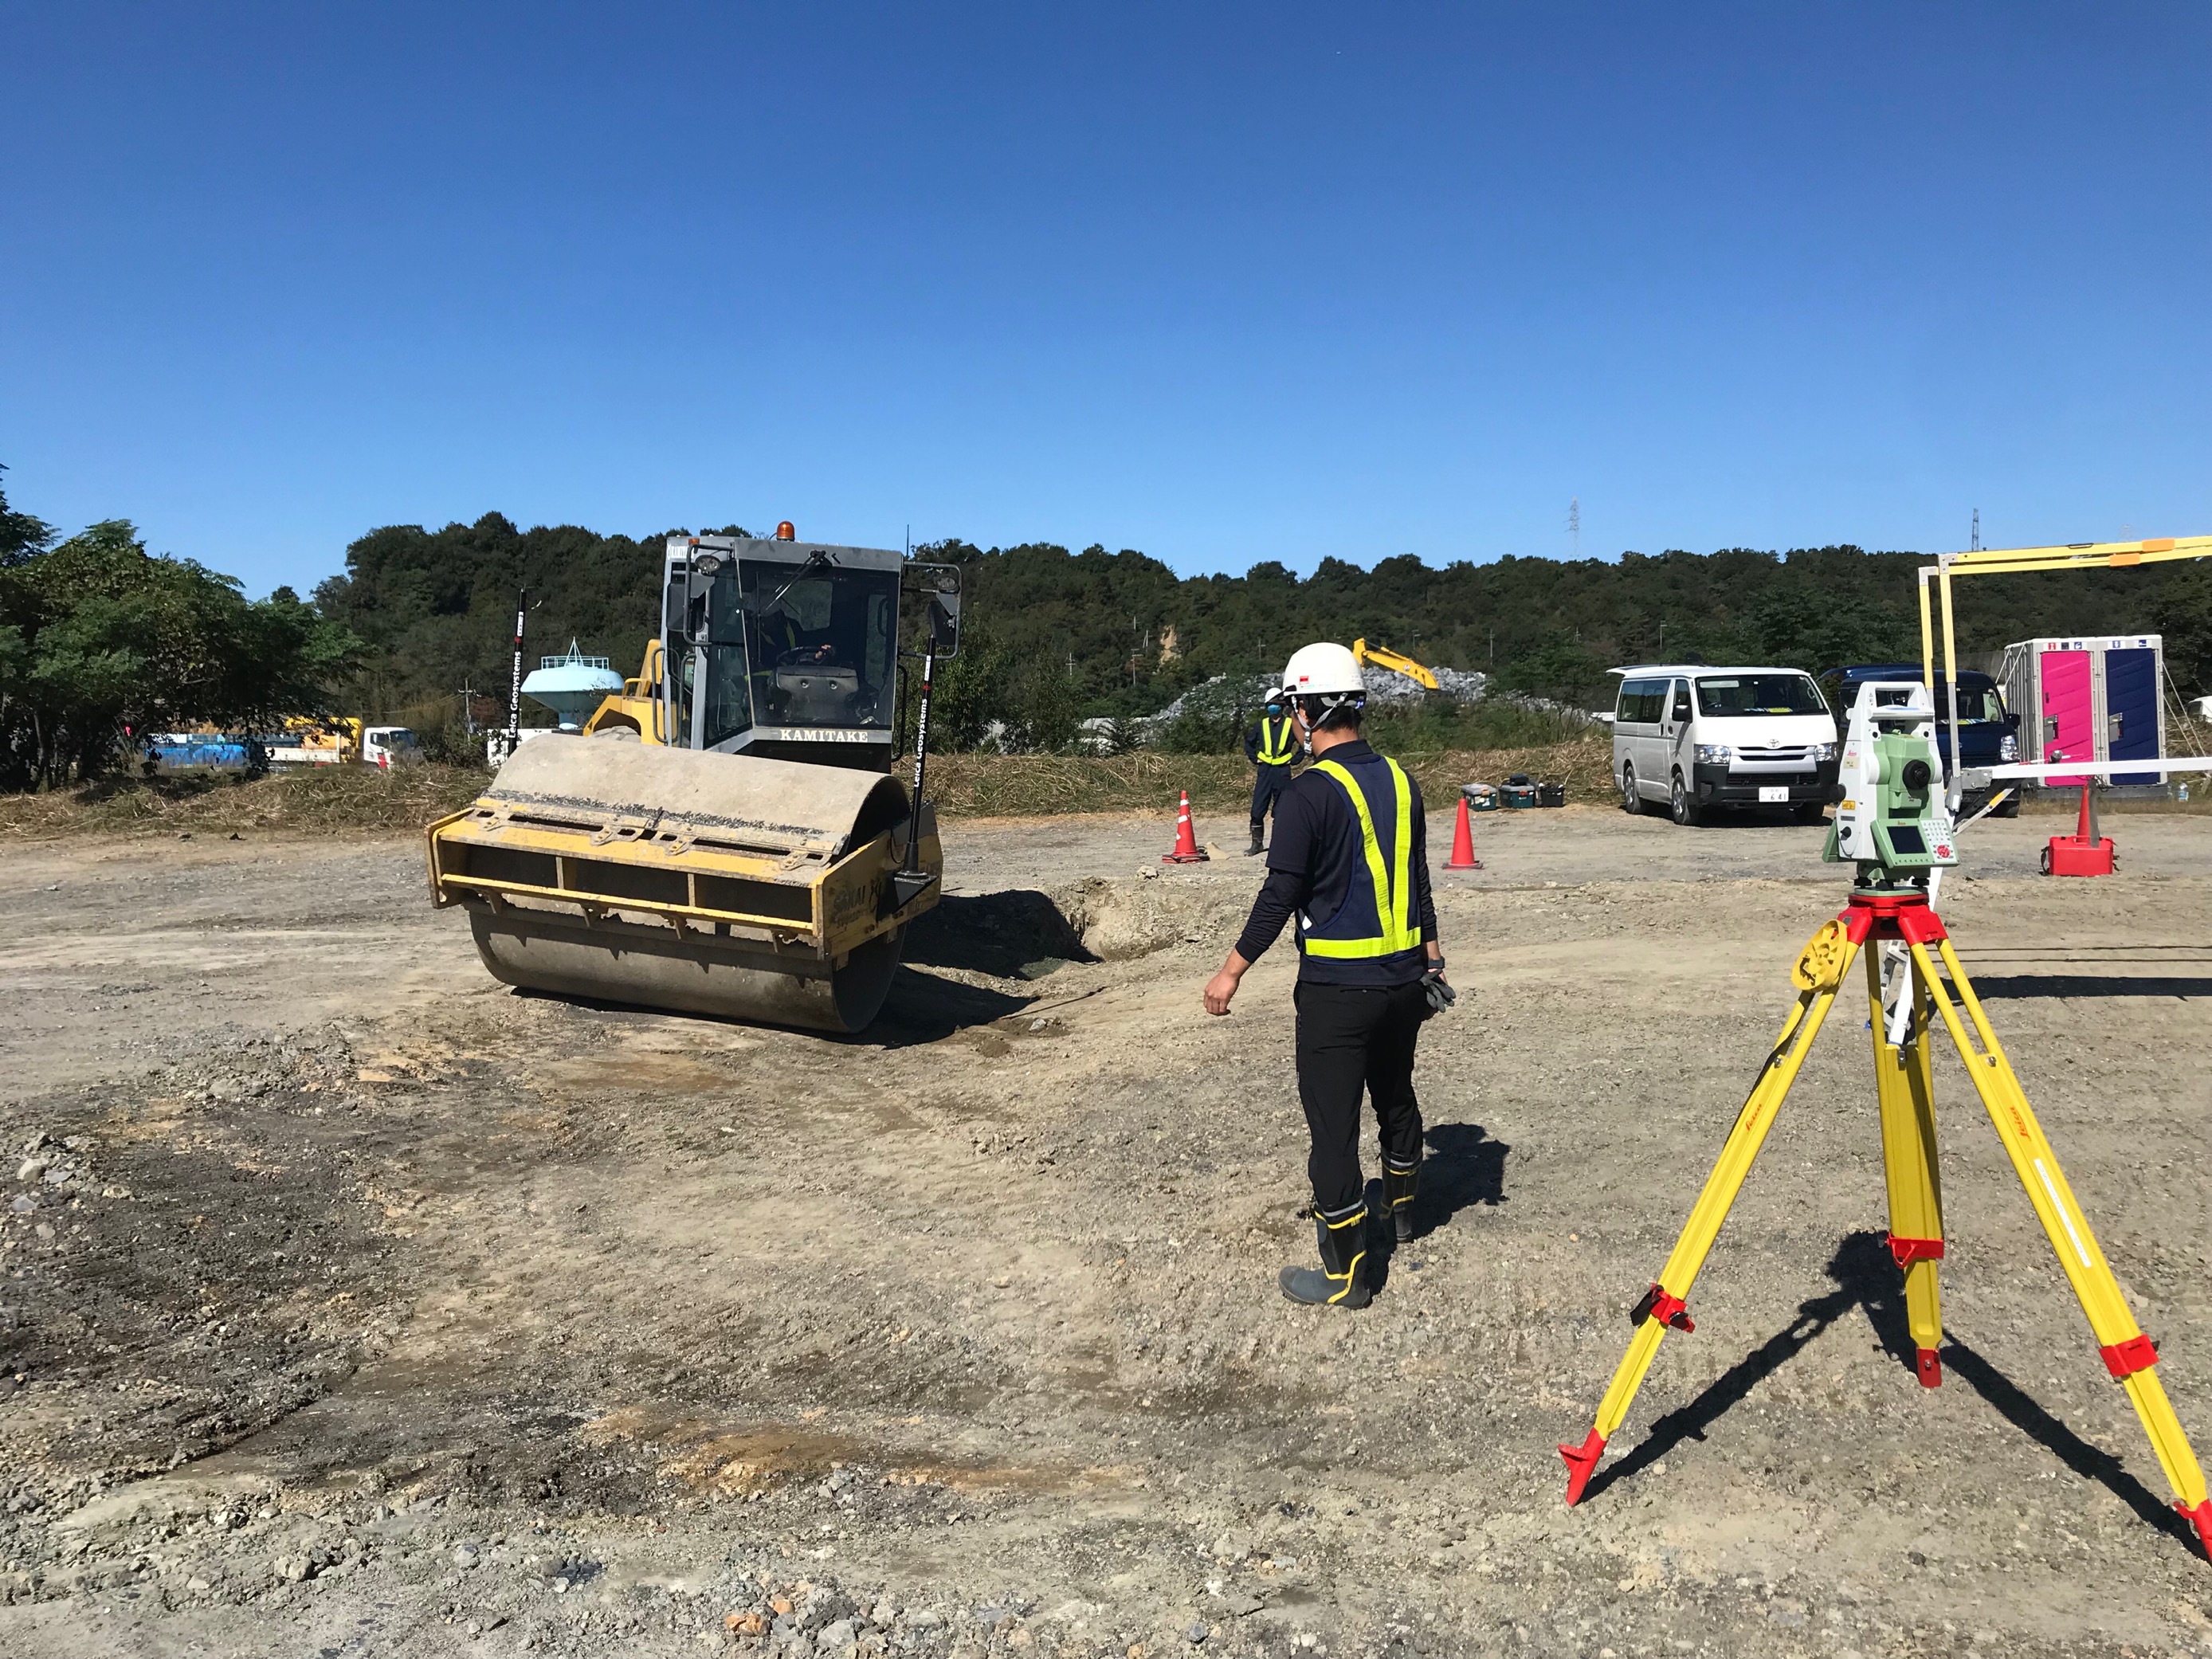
(1464, 1166)
(1992, 987)
(1017, 934)
(1867, 1278)
(925, 1008)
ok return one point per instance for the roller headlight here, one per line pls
(1714, 753)
(2009, 749)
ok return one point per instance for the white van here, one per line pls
(1697, 737)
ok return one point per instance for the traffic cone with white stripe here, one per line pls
(1186, 848)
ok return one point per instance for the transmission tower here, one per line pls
(1575, 526)
(1977, 529)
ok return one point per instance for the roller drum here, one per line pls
(729, 885)
(650, 968)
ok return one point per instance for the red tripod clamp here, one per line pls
(1910, 1250)
(1668, 1310)
(2125, 1359)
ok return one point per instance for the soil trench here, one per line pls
(353, 1304)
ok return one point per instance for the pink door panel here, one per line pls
(2067, 732)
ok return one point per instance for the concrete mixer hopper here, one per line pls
(724, 836)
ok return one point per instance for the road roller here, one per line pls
(725, 834)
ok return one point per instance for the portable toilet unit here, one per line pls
(2089, 699)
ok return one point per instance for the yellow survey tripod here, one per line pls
(1910, 940)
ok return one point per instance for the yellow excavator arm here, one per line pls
(1383, 656)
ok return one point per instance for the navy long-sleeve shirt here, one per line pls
(1310, 868)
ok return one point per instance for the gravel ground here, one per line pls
(350, 1303)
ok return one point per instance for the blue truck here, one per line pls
(1990, 732)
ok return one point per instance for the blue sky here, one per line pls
(1220, 283)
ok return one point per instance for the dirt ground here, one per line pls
(351, 1304)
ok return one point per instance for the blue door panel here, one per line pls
(2131, 710)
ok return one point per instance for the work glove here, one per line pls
(1441, 996)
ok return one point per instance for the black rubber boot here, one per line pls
(1399, 1184)
(1259, 832)
(1341, 1280)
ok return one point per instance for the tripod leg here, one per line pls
(2127, 1353)
(1904, 1084)
(1820, 967)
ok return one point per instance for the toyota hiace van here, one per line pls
(1697, 737)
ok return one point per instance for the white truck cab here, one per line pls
(388, 746)
(1697, 737)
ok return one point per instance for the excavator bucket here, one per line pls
(756, 889)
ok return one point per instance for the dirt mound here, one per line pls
(1120, 919)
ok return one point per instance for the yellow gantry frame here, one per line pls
(2001, 561)
(1902, 1085)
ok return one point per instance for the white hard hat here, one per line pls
(1323, 670)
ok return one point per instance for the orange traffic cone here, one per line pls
(1462, 857)
(1186, 847)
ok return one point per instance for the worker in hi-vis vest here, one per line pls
(1350, 862)
(1272, 744)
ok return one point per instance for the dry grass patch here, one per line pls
(331, 799)
(317, 801)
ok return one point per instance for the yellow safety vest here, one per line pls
(1279, 743)
(1390, 891)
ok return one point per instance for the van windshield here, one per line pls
(1759, 694)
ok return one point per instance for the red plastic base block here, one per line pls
(2073, 855)
(1929, 1368)
(1582, 1463)
(1184, 858)
(2201, 1518)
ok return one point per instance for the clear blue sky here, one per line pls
(1220, 284)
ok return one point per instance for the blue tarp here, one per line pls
(199, 752)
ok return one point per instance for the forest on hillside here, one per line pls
(1054, 636)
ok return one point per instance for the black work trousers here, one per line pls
(1353, 1040)
(1270, 782)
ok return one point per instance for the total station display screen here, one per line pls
(1905, 838)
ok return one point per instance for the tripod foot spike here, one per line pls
(1929, 1368)
(2201, 1518)
(1582, 1463)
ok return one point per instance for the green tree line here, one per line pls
(1054, 636)
(102, 641)
(99, 638)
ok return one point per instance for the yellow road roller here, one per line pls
(724, 835)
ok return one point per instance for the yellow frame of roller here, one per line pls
(1382, 657)
(707, 915)
(637, 705)
(2002, 560)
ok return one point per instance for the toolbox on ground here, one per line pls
(1550, 794)
(1520, 791)
(1479, 797)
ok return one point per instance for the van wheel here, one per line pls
(1684, 809)
(1631, 802)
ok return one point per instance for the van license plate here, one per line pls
(1773, 792)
